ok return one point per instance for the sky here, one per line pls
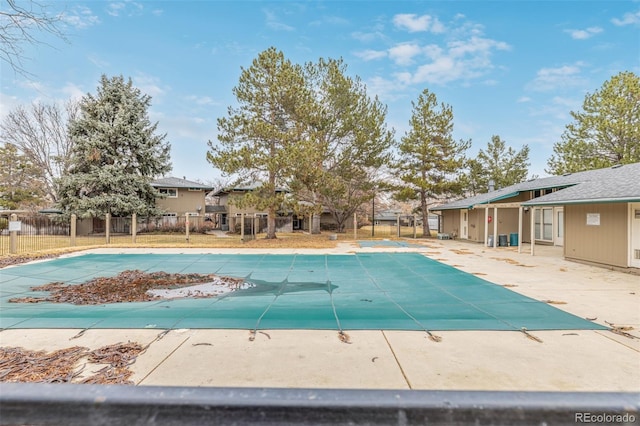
(515, 69)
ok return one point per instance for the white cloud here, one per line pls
(80, 17)
(114, 9)
(149, 85)
(201, 100)
(523, 99)
(403, 54)
(97, 61)
(329, 20)
(466, 54)
(583, 34)
(274, 23)
(553, 78)
(370, 55)
(630, 18)
(7, 104)
(460, 60)
(387, 89)
(72, 91)
(414, 23)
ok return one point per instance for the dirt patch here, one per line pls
(133, 286)
(461, 251)
(19, 365)
(511, 261)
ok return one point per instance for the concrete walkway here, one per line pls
(463, 360)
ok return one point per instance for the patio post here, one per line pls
(486, 226)
(519, 229)
(533, 230)
(495, 227)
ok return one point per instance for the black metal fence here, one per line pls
(55, 404)
(22, 232)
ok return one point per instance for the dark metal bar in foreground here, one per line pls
(53, 404)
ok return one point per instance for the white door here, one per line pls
(464, 223)
(634, 254)
(558, 226)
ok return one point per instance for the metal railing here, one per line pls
(56, 404)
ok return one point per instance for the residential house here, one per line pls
(181, 197)
(228, 215)
(594, 215)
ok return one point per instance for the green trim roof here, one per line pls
(612, 184)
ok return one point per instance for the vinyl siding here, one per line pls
(606, 243)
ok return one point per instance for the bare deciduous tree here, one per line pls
(20, 25)
(40, 133)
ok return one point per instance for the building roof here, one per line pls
(611, 184)
(174, 182)
(244, 188)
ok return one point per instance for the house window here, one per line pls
(195, 189)
(170, 214)
(193, 214)
(169, 192)
(544, 224)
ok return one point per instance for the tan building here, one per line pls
(229, 214)
(594, 215)
(181, 196)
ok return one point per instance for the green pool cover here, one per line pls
(389, 291)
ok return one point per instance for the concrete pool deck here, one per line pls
(576, 360)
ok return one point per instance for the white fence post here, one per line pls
(13, 235)
(186, 225)
(107, 227)
(134, 227)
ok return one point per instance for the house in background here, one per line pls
(594, 215)
(181, 196)
(228, 215)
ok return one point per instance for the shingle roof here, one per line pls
(613, 184)
(618, 183)
(245, 188)
(174, 182)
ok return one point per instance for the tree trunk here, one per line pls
(271, 224)
(315, 223)
(426, 232)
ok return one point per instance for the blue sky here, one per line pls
(510, 68)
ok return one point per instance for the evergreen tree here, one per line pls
(505, 166)
(605, 132)
(347, 143)
(20, 182)
(430, 161)
(259, 139)
(116, 154)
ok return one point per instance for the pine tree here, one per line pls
(20, 182)
(347, 142)
(606, 132)
(116, 154)
(430, 161)
(258, 140)
(505, 166)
